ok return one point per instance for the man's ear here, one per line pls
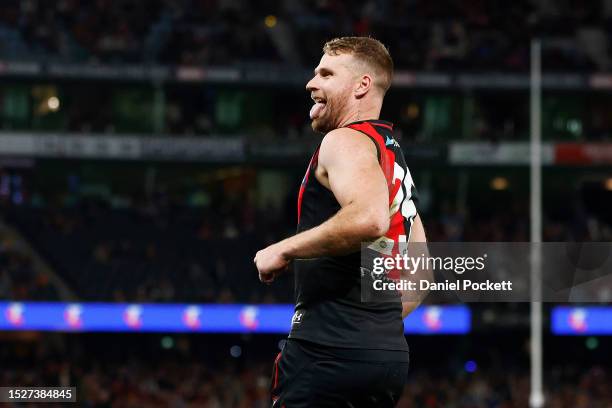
(364, 85)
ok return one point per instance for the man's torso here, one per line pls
(329, 308)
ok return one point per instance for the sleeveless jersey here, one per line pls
(329, 309)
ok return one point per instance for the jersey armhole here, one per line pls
(374, 140)
(377, 147)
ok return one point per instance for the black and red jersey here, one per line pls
(329, 309)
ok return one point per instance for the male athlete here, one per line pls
(341, 351)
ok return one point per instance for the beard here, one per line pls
(324, 123)
(329, 118)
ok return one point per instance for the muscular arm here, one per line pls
(349, 160)
(348, 165)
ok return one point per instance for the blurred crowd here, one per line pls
(184, 255)
(501, 389)
(176, 382)
(442, 36)
(19, 279)
(158, 250)
(423, 35)
(124, 375)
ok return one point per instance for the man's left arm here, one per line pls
(349, 159)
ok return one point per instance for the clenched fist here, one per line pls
(270, 262)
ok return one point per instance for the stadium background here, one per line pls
(148, 149)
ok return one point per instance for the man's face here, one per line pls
(332, 90)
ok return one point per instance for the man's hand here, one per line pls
(270, 262)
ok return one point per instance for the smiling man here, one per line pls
(342, 351)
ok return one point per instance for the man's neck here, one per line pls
(361, 115)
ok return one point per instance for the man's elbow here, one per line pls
(374, 226)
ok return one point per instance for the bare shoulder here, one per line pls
(347, 143)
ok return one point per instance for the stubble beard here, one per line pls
(331, 117)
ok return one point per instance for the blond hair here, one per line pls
(367, 50)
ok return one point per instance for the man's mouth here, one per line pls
(317, 108)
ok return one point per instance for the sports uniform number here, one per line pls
(408, 208)
(385, 245)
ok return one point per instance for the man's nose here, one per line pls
(311, 85)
